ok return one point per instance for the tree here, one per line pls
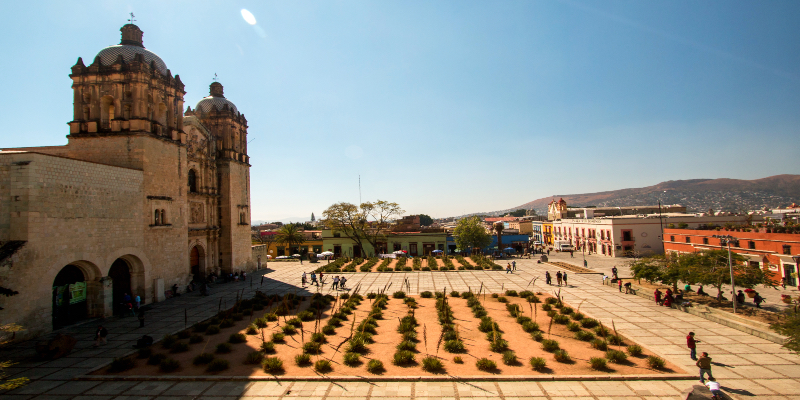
(470, 234)
(425, 220)
(711, 268)
(290, 235)
(362, 224)
(789, 326)
(666, 269)
(498, 228)
(312, 217)
(518, 213)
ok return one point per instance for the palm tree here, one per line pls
(290, 235)
(498, 227)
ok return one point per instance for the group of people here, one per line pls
(561, 277)
(757, 299)
(511, 267)
(704, 364)
(338, 282)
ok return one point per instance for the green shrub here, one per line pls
(168, 341)
(237, 338)
(549, 345)
(344, 296)
(602, 331)
(487, 325)
(273, 365)
(278, 337)
(599, 344)
(584, 335)
(530, 327)
(268, 347)
(454, 346)
(226, 323)
(312, 348)
(203, 358)
(523, 319)
(372, 295)
(454, 293)
(169, 365)
(547, 307)
(302, 360)
(635, 350)
(432, 364)
(537, 336)
(335, 322)
(525, 293)
(352, 359)
(356, 345)
(212, 330)
(407, 345)
(560, 319)
(551, 300)
(502, 299)
(467, 295)
(598, 363)
(577, 316)
(375, 366)
(426, 295)
(271, 317)
(573, 327)
(297, 323)
(328, 330)
(485, 364)
(495, 295)
(538, 363)
(410, 336)
(144, 352)
(260, 322)
(552, 313)
(156, 359)
(498, 345)
(616, 340)
(656, 362)
(223, 348)
(305, 316)
(319, 338)
(511, 293)
(236, 317)
(399, 294)
(566, 310)
(179, 347)
(403, 357)
(616, 356)
(121, 364)
(289, 329)
(561, 356)
(589, 323)
(509, 357)
(533, 299)
(323, 366)
(221, 365)
(458, 360)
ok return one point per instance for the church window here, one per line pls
(157, 218)
(192, 181)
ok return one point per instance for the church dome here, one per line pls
(216, 101)
(129, 47)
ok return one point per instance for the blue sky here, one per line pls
(447, 107)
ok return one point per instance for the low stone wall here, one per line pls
(755, 328)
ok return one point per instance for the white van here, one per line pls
(564, 247)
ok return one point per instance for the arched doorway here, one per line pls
(120, 274)
(69, 297)
(196, 263)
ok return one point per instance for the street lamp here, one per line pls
(727, 239)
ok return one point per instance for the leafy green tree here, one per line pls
(425, 220)
(666, 269)
(711, 268)
(363, 224)
(789, 326)
(290, 235)
(470, 234)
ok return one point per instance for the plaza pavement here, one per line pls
(746, 366)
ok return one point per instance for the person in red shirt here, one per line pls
(691, 343)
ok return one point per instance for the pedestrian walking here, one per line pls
(758, 300)
(713, 386)
(585, 263)
(100, 336)
(141, 318)
(321, 275)
(513, 265)
(704, 363)
(691, 343)
(571, 253)
(244, 276)
(508, 268)
(138, 302)
(558, 278)
(619, 284)
(314, 278)
(547, 277)
(564, 277)
(548, 252)
(303, 278)
(342, 282)
(614, 272)
(336, 282)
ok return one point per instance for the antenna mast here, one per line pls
(359, 189)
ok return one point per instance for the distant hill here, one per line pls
(696, 194)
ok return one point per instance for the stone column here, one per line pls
(99, 294)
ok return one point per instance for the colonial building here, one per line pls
(559, 210)
(143, 196)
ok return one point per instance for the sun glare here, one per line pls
(248, 17)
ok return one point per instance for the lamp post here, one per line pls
(727, 239)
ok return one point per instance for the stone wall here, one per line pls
(68, 212)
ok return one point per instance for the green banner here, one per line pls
(77, 292)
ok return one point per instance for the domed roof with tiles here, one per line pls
(215, 102)
(130, 46)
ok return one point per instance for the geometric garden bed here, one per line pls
(394, 335)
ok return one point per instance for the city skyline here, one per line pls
(448, 108)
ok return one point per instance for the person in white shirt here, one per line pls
(713, 386)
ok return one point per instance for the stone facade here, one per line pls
(143, 196)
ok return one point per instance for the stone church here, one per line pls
(144, 196)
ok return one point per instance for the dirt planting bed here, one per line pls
(395, 335)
